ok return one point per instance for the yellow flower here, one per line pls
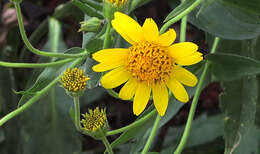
(150, 65)
(74, 80)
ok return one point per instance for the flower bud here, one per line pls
(92, 25)
(112, 6)
(95, 123)
(74, 81)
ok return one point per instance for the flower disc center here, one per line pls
(149, 62)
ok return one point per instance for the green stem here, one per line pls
(34, 38)
(32, 65)
(195, 101)
(132, 125)
(34, 50)
(178, 17)
(107, 35)
(77, 113)
(152, 135)
(183, 28)
(36, 97)
(112, 93)
(108, 146)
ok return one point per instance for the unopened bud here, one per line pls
(92, 25)
(95, 123)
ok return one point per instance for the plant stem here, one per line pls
(33, 65)
(152, 135)
(34, 50)
(183, 28)
(108, 146)
(195, 101)
(107, 35)
(178, 17)
(36, 97)
(132, 125)
(77, 113)
(112, 93)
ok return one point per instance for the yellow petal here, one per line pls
(167, 38)
(141, 98)
(184, 76)
(128, 90)
(150, 30)
(115, 78)
(127, 27)
(102, 67)
(190, 60)
(178, 90)
(110, 54)
(160, 98)
(183, 49)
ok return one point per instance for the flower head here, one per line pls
(95, 122)
(112, 6)
(151, 65)
(74, 80)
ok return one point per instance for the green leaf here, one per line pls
(252, 6)
(86, 9)
(54, 34)
(239, 105)
(94, 4)
(10, 132)
(256, 47)
(47, 126)
(180, 8)
(94, 45)
(225, 22)
(227, 67)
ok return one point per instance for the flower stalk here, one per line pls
(32, 65)
(134, 124)
(183, 27)
(180, 16)
(77, 113)
(195, 101)
(152, 135)
(34, 50)
(107, 35)
(107, 145)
